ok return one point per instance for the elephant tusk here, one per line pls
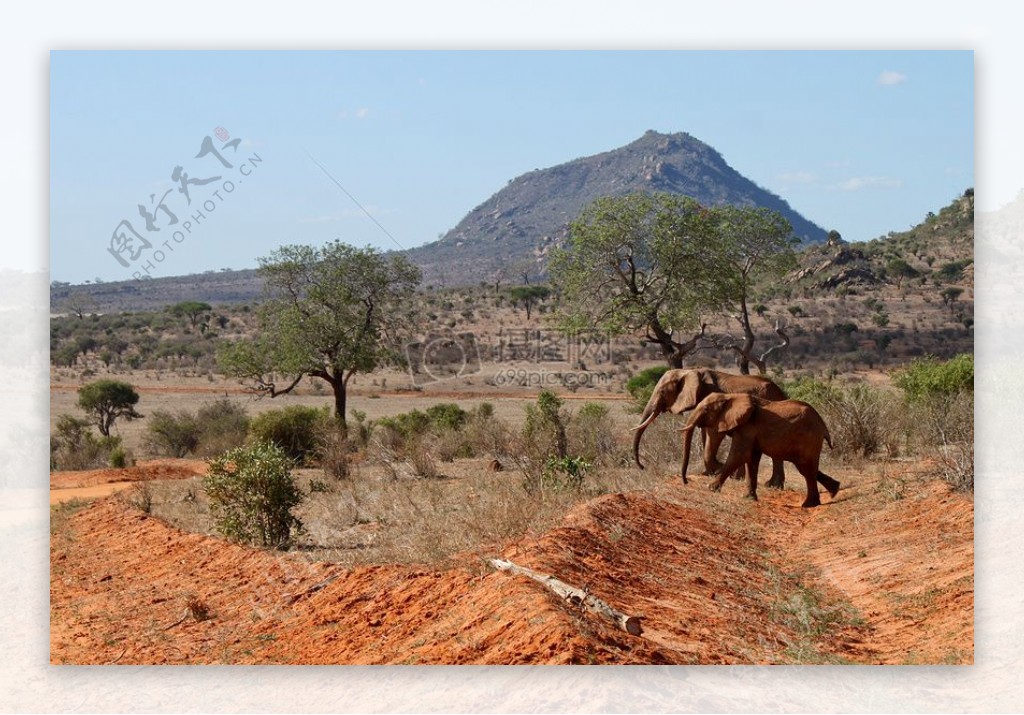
(646, 422)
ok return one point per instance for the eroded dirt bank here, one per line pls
(873, 577)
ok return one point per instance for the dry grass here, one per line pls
(385, 514)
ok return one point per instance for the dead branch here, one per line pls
(761, 361)
(764, 356)
(575, 596)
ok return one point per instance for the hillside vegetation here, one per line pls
(847, 307)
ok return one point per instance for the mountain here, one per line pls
(517, 226)
(510, 232)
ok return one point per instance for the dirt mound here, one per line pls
(150, 469)
(715, 579)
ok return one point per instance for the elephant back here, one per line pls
(751, 385)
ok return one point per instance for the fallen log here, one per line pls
(575, 596)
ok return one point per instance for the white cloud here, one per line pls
(357, 113)
(869, 182)
(889, 78)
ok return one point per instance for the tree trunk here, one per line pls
(340, 389)
(748, 337)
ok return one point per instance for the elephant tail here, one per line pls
(828, 438)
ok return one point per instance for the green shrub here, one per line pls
(564, 473)
(447, 415)
(861, 420)
(172, 435)
(333, 450)
(402, 426)
(409, 432)
(223, 425)
(252, 494)
(928, 377)
(486, 434)
(359, 430)
(121, 458)
(641, 385)
(811, 390)
(294, 429)
(954, 270)
(545, 426)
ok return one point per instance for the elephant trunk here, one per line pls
(651, 412)
(687, 435)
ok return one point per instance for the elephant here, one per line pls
(787, 430)
(681, 390)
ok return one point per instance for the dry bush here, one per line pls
(946, 425)
(448, 445)
(487, 435)
(139, 495)
(422, 460)
(333, 451)
(862, 421)
(591, 435)
(216, 428)
(73, 446)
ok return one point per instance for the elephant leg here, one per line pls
(778, 479)
(737, 475)
(712, 441)
(829, 483)
(810, 474)
(752, 465)
(738, 455)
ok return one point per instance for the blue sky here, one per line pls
(860, 142)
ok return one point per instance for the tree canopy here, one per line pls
(106, 401)
(331, 312)
(641, 262)
(657, 264)
(528, 296)
(192, 309)
(757, 244)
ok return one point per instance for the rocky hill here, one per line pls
(515, 228)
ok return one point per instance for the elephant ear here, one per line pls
(739, 409)
(689, 394)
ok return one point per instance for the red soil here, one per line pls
(149, 469)
(708, 574)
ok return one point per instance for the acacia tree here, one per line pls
(758, 245)
(646, 263)
(108, 400)
(192, 309)
(528, 296)
(331, 312)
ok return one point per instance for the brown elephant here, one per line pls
(679, 391)
(787, 430)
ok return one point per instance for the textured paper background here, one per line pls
(28, 683)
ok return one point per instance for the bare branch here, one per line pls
(269, 387)
(785, 343)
